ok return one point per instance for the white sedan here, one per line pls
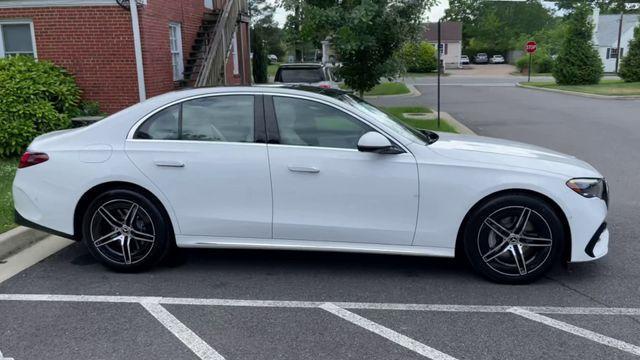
(306, 169)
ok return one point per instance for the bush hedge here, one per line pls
(578, 62)
(540, 62)
(630, 65)
(35, 97)
(419, 57)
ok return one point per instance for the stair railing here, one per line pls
(212, 70)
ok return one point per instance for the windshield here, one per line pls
(388, 120)
(300, 75)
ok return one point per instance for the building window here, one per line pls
(17, 38)
(612, 53)
(234, 53)
(175, 40)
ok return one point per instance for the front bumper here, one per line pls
(598, 246)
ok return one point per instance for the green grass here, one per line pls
(605, 87)
(397, 111)
(386, 88)
(7, 172)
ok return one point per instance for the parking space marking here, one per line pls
(315, 304)
(575, 330)
(182, 332)
(387, 333)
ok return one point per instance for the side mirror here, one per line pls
(375, 142)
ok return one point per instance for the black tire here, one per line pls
(502, 249)
(111, 230)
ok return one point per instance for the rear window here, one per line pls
(300, 75)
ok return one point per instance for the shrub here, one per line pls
(35, 97)
(541, 63)
(578, 62)
(630, 66)
(419, 57)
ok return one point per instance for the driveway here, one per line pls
(493, 70)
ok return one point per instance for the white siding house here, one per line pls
(451, 39)
(605, 36)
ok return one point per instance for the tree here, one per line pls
(578, 62)
(630, 66)
(419, 57)
(260, 60)
(493, 26)
(366, 34)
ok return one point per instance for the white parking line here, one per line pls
(182, 332)
(587, 334)
(387, 333)
(315, 304)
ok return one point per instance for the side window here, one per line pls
(218, 118)
(163, 125)
(309, 123)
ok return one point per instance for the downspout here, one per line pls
(137, 45)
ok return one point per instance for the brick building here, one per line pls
(180, 43)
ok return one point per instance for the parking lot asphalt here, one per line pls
(223, 304)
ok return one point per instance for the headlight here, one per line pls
(589, 187)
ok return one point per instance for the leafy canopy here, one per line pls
(366, 34)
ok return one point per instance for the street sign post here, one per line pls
(530, 47)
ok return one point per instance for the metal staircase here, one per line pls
(210, 51)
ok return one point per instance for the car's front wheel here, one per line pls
(125, 231)
(514, 239)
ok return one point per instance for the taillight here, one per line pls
(325, 86)
(30, 159)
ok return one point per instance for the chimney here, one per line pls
(595, 17)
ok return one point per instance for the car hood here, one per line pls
(513, 154)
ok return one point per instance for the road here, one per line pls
(268, 305)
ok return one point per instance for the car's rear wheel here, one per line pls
(125, 231)
(514, 239)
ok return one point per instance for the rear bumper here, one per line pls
(20, 220)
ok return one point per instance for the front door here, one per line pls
(324, 189)
(203, 156)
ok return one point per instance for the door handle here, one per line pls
(169, 163)
(304, 169)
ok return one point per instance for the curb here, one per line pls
(18, 239)
(457, 125)
(576, 93)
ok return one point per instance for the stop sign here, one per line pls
(531, 47)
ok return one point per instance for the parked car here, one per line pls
(481, 58)
(305, 168)
(272, 58)
(307, 74)
(464, 60)
(496, 59)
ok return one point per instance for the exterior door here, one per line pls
(324, 189)
(203, 155)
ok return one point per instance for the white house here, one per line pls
(451, 39)
(605, 36)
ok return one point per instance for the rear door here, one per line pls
(209, 158)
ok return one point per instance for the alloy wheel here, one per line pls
(122, 231)
(515, 240)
